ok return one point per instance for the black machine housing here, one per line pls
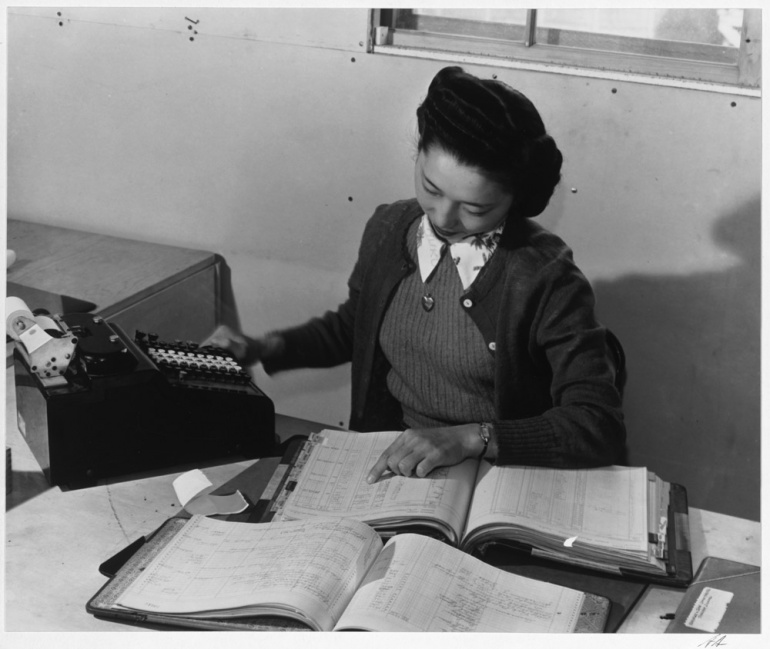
(130, 405)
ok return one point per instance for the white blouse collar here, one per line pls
(469, 252)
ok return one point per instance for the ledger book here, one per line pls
(624, 520)
(335, 574)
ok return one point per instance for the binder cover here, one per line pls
(724, 597)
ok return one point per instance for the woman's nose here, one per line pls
(445, 215)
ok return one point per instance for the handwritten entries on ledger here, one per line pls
(335, 574)
(607, 518)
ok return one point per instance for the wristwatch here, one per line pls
(485, 432)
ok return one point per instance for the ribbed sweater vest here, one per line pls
(441, 370)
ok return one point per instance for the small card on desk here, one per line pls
(724, 597)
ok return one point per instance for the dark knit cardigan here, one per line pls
(555, 397)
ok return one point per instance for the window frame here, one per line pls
(486, 46)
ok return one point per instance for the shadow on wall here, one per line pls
(692, 400)
(319, 395)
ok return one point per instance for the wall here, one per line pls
(271, 136)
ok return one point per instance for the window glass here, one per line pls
(508, 16)
(709, 45)
(503, 24)
(706, 26)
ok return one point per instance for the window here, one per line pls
(709, 46)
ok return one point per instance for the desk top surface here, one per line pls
(63, 264)
(55, 539)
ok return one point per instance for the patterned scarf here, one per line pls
(469, 252)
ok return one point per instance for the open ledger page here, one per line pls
(333, 482)
(605, 507)
(215, 568)
(421, 584)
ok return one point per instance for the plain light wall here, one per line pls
(269, 136)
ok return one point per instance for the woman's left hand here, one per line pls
(419, 451)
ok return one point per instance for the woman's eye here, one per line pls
(430, 191)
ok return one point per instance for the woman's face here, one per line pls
(458, 199)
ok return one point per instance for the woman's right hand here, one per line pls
(246, 350)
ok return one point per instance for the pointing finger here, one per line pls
(378, 469)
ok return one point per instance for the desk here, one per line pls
(169, 290)
(55, 540)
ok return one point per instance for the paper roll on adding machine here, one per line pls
(94, 403)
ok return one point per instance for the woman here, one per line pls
(469, 327)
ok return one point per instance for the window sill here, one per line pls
(535, 66)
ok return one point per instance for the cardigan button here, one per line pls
(492, 346)
(467, 303)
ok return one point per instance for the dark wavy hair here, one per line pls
(488, 125)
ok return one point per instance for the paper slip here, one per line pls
(709, 609)
(193, 491)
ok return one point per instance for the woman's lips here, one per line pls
(445, 233)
